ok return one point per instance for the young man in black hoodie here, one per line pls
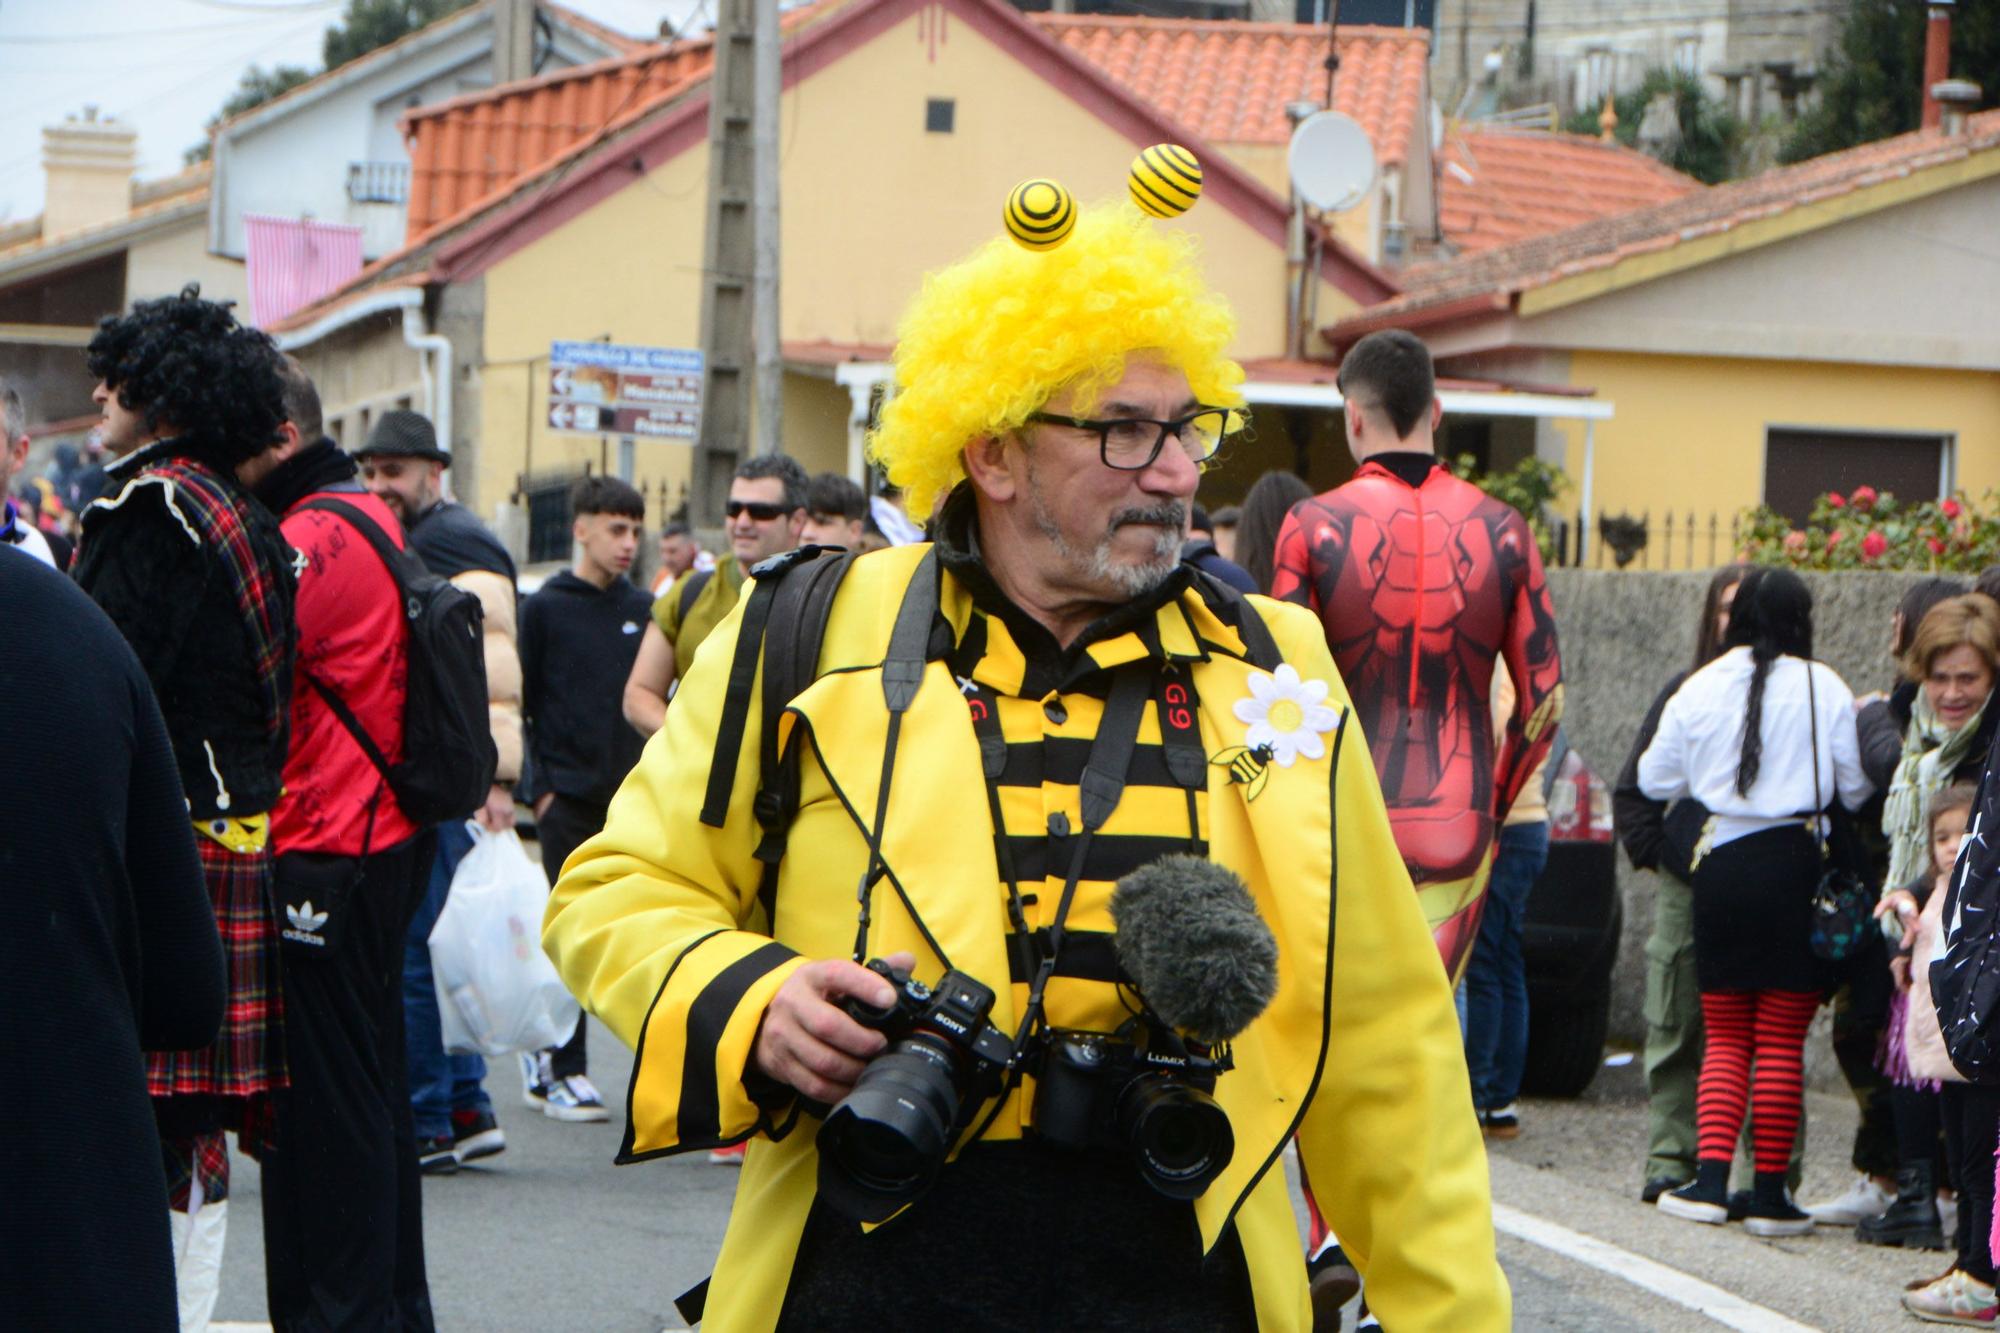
(579, 635)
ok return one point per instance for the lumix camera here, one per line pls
(1143, 1090)
(883, 1145)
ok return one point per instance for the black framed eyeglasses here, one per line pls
(761, 510)
(1130, 444)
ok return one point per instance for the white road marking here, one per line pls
(1724, 1307)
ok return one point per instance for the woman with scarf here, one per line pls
(1947, 725)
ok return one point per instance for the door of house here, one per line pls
(1803, 463)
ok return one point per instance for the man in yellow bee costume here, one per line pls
(948, 755)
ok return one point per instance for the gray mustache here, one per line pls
(1170, 515)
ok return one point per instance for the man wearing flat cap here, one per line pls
(403, 466)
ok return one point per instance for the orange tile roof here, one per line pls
(477, 144)
(1500, 185)
(1228, 81)
(1490, 280)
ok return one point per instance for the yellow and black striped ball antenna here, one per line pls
(1166, 180)
(1040, 213)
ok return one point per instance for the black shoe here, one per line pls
(1912, 1221)
(1334, 1282)
(1704, 1199)
(1659, 1185)
(1772, 1212)
(475, 1134)
(435, 1156)
(1739, 1205)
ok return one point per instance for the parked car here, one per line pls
(1570, 932)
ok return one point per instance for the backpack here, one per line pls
(448, 753)
(688, 589)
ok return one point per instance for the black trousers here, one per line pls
(561, 829)
(1860, 1012)
(1971, 1125)
(343, 1207)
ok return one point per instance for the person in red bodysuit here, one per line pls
(1423, 580)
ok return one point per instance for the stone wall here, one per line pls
(1623, 634)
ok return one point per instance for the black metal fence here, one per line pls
(1664, 541)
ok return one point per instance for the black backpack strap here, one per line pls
(799, 615)
(353, 725)
(770, 576)
(391, 554)
(690, 588)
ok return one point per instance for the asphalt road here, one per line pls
(550, 1235)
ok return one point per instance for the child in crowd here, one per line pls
(1964, 1292)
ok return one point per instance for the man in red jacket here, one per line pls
(343, 1226)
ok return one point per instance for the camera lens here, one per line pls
(881, 1147)
(1179, 1137)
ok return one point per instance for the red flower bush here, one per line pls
(1870, 529)
(1873, 544)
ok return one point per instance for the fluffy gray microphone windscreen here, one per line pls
(1189, 936)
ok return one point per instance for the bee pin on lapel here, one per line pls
(1249, 767)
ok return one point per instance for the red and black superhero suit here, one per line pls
(1421, 585)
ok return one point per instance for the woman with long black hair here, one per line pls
(1764, 738)
(1660, 839)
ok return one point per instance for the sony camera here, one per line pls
(1143, 1091)
(883, 1144)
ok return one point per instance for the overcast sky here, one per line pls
(165, 66)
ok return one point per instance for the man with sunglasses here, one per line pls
(1000, 726)
(767, 512)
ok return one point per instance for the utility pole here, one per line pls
(743, 365)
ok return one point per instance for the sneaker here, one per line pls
(1693, 1203)
(535, 1080)
(1864, 1199)
(475, 1134)
(1502, 1122)
(1955, 1298)
(730, 1156)
(1783, 1218)
(1739, 1205)
(1651, 1191)
(1335, 1281)
(435, 1157)
(574, 1099)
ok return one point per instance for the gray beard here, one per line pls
(1129, 580)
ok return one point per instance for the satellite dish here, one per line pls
(1332, 163)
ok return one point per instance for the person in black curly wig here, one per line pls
(182, 368)
(198, 577)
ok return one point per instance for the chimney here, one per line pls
(88, 164)
(1957, 99)
(513, 40)
(1937, 59)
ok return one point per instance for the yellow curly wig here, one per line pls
(990, 340)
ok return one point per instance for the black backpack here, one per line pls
(448, 754)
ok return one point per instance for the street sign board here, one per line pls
(608, 388)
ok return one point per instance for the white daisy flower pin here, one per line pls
(1286, 715)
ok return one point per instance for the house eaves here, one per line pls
(1545, 273)
(38, 259)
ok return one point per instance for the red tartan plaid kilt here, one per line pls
(248, 1059)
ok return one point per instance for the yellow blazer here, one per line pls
(656, 926)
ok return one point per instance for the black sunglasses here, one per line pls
(761, 510)
(1130, 444)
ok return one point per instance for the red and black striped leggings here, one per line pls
(1767, 1029)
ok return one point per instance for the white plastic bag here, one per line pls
(497, 991)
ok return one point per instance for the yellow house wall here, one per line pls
(1690, 431)
(870, 202)
(162, 263)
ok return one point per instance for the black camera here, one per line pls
(1143, 1090)
(883, 1144)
